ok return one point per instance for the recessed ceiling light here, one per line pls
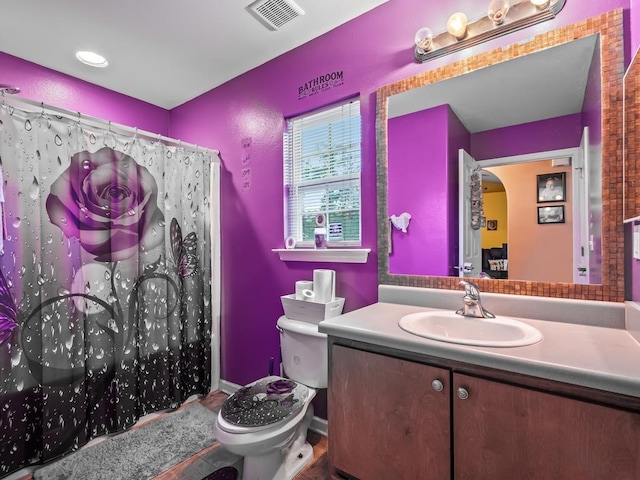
(92, 59)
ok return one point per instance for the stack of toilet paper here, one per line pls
(321, 290)
(315, 300)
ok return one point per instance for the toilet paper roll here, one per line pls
(302, 285)
(290, 243)
(308, 295)
(324, 285)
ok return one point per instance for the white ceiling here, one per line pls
(542, 85)
(161, 51)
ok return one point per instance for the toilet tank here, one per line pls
(304, 352)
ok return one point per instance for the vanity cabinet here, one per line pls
(386, 421)
(503, 431)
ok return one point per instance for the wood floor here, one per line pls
(317, 470)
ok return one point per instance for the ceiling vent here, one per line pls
(273, 14)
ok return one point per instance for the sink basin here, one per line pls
(485, 332)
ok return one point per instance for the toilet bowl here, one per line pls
(267, 421)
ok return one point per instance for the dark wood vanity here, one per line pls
(399, 415)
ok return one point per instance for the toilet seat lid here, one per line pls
(265, 402)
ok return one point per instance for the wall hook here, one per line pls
(401, 222)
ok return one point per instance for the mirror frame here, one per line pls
(610, 27)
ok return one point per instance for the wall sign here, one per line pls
(321, 83)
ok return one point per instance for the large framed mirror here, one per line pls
(414, 113)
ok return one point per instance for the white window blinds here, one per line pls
(322, 174)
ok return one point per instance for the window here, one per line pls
(322, 175)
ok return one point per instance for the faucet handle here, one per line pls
(472, 302)
(470, 289)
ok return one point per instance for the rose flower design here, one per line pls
(280, 387)
(107, 201)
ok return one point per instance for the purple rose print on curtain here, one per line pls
(105, 282)
(107, 201)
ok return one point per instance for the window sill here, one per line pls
(336, 255)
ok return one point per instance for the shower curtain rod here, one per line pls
(100, 123)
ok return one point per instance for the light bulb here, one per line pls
(540, 3)
(457, 25)
(498, 11)
(424, 40)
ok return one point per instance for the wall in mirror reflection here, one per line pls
(423, 180)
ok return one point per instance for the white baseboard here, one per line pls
(318, 425)
(228, 387)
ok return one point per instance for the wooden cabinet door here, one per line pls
(503, 432)
(386, 421)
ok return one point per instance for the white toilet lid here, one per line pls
(264, 402)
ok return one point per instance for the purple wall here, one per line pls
(371, 51)
(418, 143)
(59, 90)
(634, 26)
(553, 134)
(418, 183)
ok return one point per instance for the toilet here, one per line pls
(266, 421)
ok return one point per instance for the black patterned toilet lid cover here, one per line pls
(264, 402)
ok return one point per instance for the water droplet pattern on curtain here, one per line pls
(105, 282)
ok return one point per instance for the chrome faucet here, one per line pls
(472, 305)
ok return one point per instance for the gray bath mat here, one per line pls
(141, 453)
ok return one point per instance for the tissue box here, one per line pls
(310, 312)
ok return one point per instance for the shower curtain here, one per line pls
(106, 274)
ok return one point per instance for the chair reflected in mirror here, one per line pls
(495, 262)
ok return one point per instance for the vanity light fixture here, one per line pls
(503, 17)
(92, 59)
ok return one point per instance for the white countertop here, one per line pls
(598, 357)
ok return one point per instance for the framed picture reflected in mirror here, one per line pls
(551, 214)
(551, 187)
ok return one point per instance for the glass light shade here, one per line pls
(540, 3)
(91, 58)
(424, 40)
(498, 11)
(457, 24)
